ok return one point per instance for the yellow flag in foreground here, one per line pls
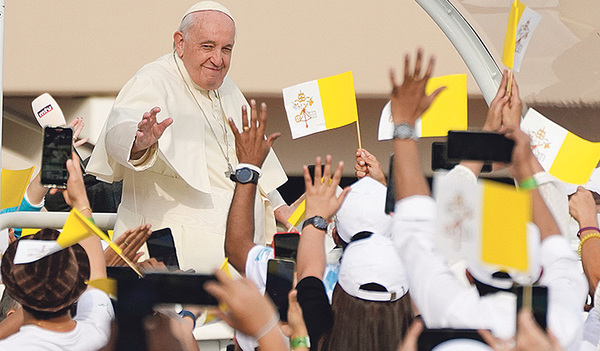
(13, 186)
(108, 285)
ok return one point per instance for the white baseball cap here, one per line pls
(363, 210)
(372, 260)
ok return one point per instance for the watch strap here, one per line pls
(314, 222)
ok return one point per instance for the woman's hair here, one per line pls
(366, 325)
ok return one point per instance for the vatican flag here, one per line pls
(560, 152)
(320, 105)
(522, 21)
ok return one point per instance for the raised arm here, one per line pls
(409, 101)
(76, 197)
(148, 132)
(251, 148)
(321, 204)
(583, 208)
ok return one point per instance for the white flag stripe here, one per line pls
(546, 137)
(304, 109)
(32, 250)
(525, 28)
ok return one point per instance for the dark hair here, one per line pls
(44, 316)
(367, 325)
(7, 303)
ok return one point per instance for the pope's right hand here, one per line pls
(149, 131)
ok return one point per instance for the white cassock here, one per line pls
(181, 183)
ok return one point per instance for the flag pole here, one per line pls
(358, 134)
(509, 84)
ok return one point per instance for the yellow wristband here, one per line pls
(595, 235)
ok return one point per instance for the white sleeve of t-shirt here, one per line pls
(94, 306)
(256, 265)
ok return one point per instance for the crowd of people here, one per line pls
(364, 279)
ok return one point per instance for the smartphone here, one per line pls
(440, 160)
(285, 245)
(536, 298)
(390, 195)
(162, 247)
(479, 146)
(169, 287)
(431, 339)
(280, 280)
(57, 149)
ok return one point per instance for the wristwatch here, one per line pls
(317, 222)
(245, 175)
(404, 131)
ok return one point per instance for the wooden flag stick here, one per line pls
(509, 84)
(358, 134)
(130, 264)
(527, 297)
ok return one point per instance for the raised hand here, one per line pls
(149, 131)
(409, 100)
(77, 125)
(250, 145)
(493, 120)
(130, 242)
(320, 195)
(368, 165)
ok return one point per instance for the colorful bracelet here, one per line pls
(595, 235)
(528, 184)
(585, 229)
(301, 341)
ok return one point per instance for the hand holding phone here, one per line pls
(280, 281)
(285, 245)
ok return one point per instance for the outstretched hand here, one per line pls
(130, 242)
(149, 131)
(409, 100)
(77, 125)
(250, 145)
(320, 194)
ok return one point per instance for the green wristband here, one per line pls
(528, 184)
(301, 341)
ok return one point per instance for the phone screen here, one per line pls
(285, 245)
(57, 148)
(479, 146)
(181, 288)
(280, 280)
(443, 339)
(162, 247)
(536, 297)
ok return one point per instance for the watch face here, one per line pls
(243, 175)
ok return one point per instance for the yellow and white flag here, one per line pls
(474, 223)
(76, 228)
(14, 184)
(560, 152)
(448, 111)
(522, 21)
(320, 105)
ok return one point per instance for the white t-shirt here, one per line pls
(92, 332)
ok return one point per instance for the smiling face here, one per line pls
(205, 47)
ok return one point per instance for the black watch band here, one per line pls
(245, 175)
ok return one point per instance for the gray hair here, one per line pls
(188, 22)
(7, 303)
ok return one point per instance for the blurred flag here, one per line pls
(13, 186)
(298, 215)
(560, 152)
(522, 21)
(448, 111)
(108, 285)
(320, 105)
(475, 224)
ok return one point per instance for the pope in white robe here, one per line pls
(181, 179)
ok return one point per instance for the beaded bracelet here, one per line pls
(595, 235)
(586, 229)
(528, 184)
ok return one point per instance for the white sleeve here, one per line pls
(256, 265)
(441, 298)
(94, 305)
(276, 199)
(555, 197)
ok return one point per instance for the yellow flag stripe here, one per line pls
(576, 160)
(338, 100)
(13, 186)
(298, 215)
(449, 110)
(504, 233)
(508, 55)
